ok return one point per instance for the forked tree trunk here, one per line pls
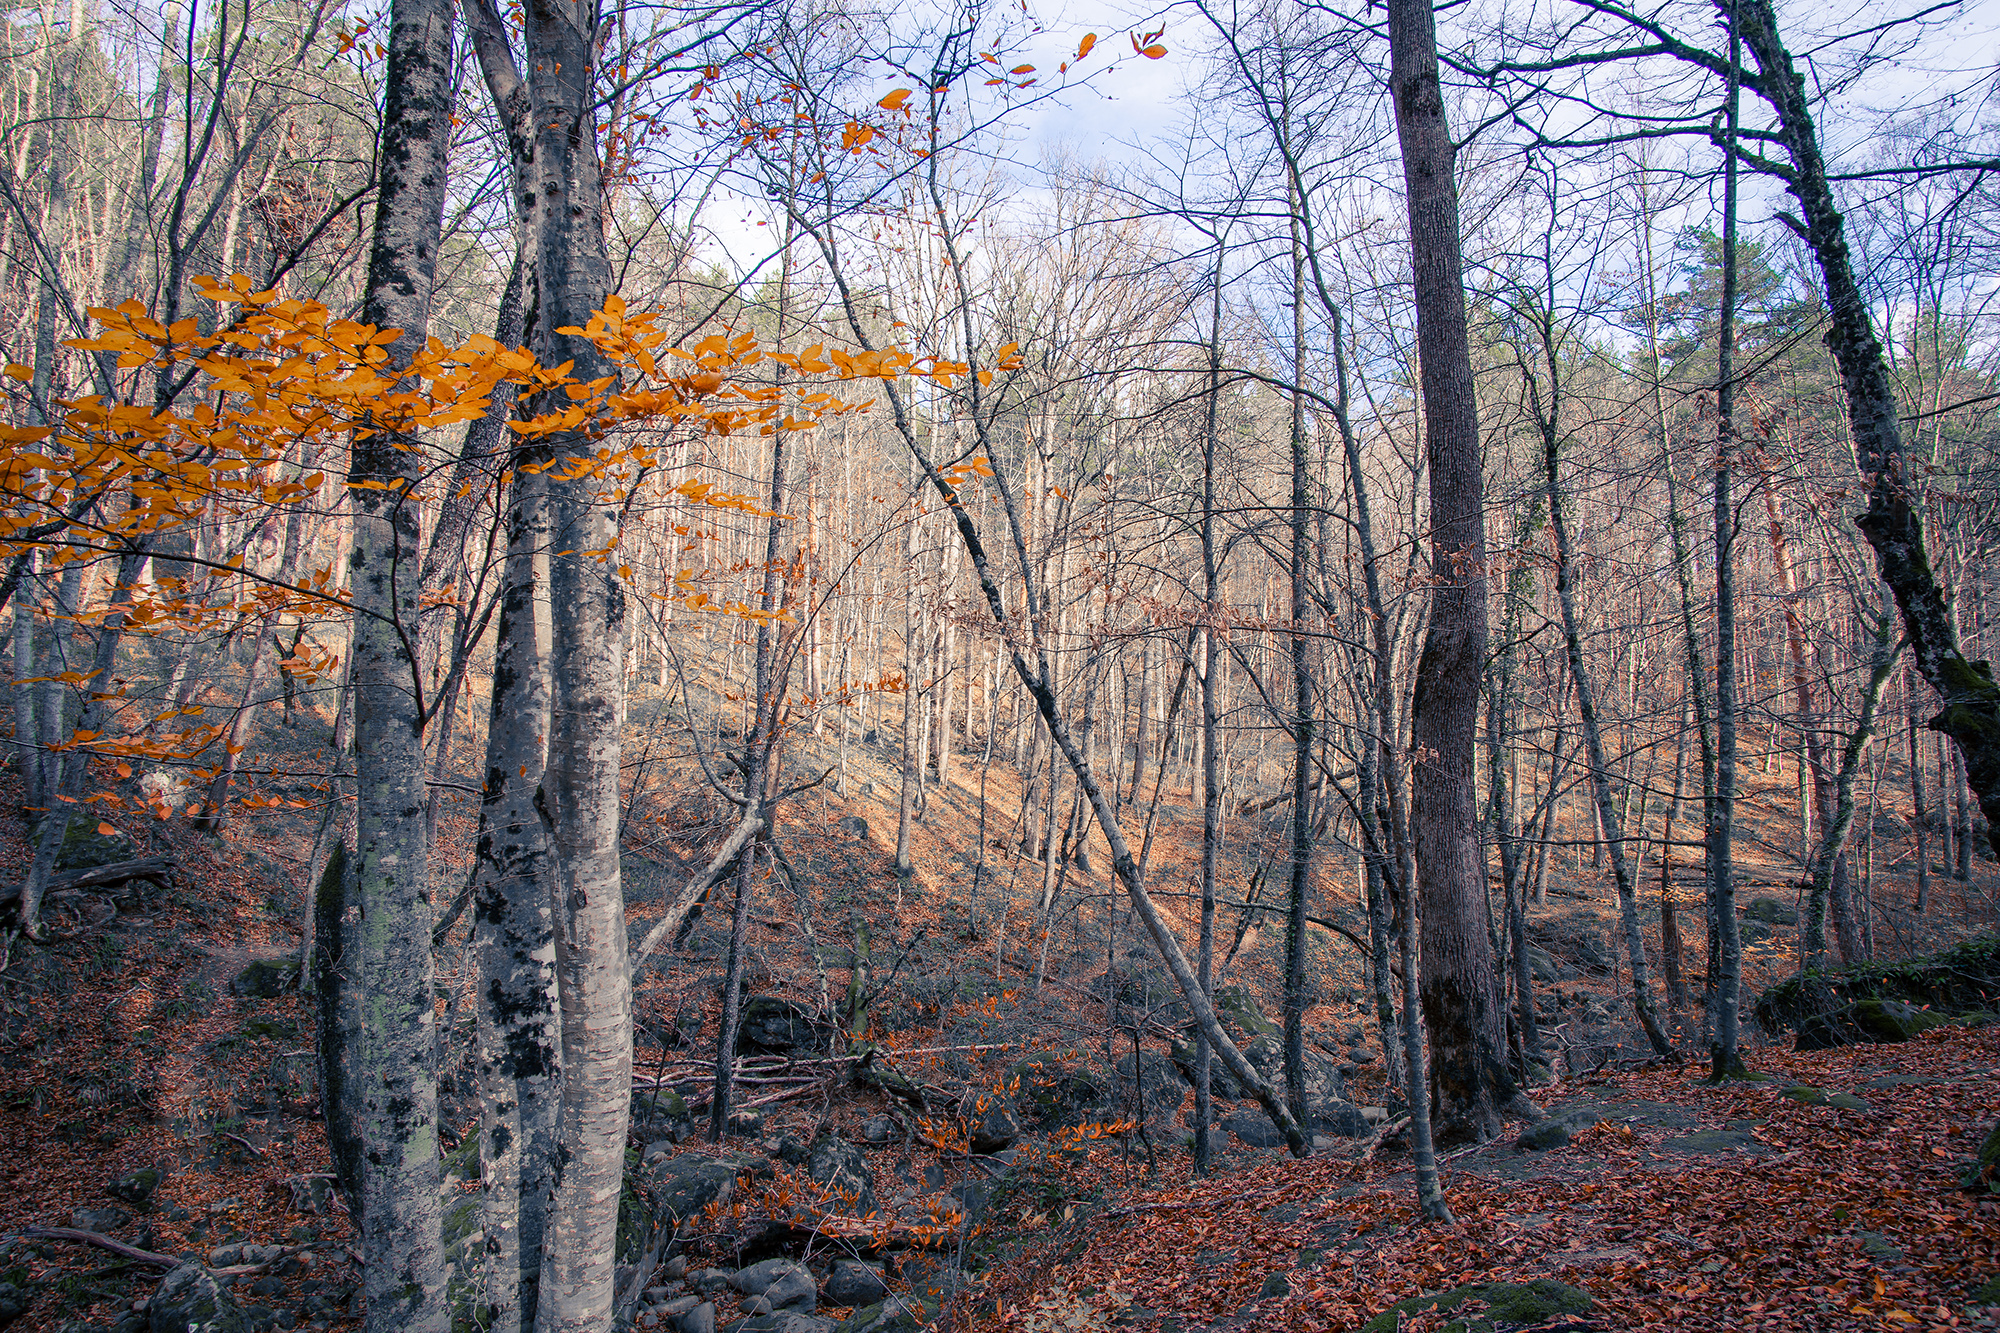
(1462, 1007)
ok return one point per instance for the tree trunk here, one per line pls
(581, 792)
(1893, 522)
(518, 1047)
(1461, 1004)
(1593, 742)
(1726, 944)
(395, 1074)
(1299, 896)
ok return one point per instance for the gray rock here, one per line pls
(854, 1283)
(841, 1167)
(1866, 1021)
(1139, 997)
(895, 1315)
(788, 1149)
(701, 1319)
(780, 1284)
(1556, 1130)
(84, 848)
(878, 1130)
(1241, 1018)
(1771, 911)
(136, 1188)
(782, 1321)
(686, 1185)
(1055, 1095)
(266, 979)
(1337, 1117)
(777, 1025)
(12, 1303)
(1154, 1091)
(994, 1125)
(854, 826)
(190, 1300)
(1254, 1129)
(99, 1219)
(709, 1281)
(1322, 1077)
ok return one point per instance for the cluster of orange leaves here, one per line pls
(276, 396)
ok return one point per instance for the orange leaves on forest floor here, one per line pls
(1834, 1219)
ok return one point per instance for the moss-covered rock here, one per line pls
(1984, 1172)
(1960, 980)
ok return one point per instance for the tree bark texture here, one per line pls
(1462, 1007)
(581, 793)
(1893, 522)
(396, 1075)
(517, 1056)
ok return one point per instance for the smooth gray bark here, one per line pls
(581, 789)
(517, 1056)
(388, 947)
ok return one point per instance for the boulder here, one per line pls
(1864, 1022)
(898, 1314)
(1139, 997)
(769, 1024)
(191, 1300)
(700, 1319)
(99, 1219)
(854, 826)
(1149, 1086)
(852, 1283)
(877, 1130)
(993, 1123)
(843, 1169)
(1322, 1077)
(683, 1186)
(1771, 911)
(13, 1303)
(84, 848)
(1222, 1085)
(1338, 1118)
(1984, 1172)
(136, 1188)
(1556, 1130)
(1053, 1094)
(1241, 1018)
(266, 979)
(777, 1284)
(1254, 1128)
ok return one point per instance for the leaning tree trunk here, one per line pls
(389, 950)
(1462, 1007)
(581, 789)
(1893, 521)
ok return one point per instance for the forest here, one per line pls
(788, 667)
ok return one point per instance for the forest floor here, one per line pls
(1753, 1205)
(122, 1047)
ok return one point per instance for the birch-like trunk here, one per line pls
(580, 794)
(388, 943)
(517, 1059)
